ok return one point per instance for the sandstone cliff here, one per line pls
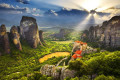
(4, 40)
(107, 35)
(29, 31)
(15, 37)
(62, 34)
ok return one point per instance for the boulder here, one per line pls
(67, 73)
(15, 37)
(47, 69)
(4, 40)
(29, 31)
(58, 73)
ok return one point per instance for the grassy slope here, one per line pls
(20, 63)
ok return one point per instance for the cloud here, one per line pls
(7, 8)
(84, 4)
(53, 12)
(4, 5)
(23, 1)
(34, 11)
(37, 14)
(10, 9)
(114, 12)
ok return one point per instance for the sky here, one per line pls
(11, 11)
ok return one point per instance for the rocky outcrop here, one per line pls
(67, 73)
(15, 37)
(51, 70)
(58, 73)
(29, 31)
(41, 36)
(107, 35)
(4, 40)
(89, 50)
(18, 28)
(63, 34)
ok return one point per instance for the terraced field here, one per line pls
(56, 54)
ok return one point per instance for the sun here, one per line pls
(90, 4)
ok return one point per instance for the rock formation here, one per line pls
(62, 34)
(41, 36)
(15, 37)
(18, 27)
(67, 73)
(4, 40)
(58, 73)
(29, 31)
(107, 35)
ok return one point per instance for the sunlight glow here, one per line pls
(90, 4)
(97, 18)
(106, 4)
(87, 5)
(83, 23)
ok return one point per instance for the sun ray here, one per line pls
(97, 18)
(82, 25)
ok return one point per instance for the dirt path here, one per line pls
(56, 54)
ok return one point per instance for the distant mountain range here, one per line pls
(70, 12)
(65, 12)
(64, 18)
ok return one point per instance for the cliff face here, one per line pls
(108, 34)
(58, 73)
(29, 31)
(15, 37)
(62, 34)
(4, 40)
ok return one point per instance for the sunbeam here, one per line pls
(84, 4)
(97, 18)
(82, 25)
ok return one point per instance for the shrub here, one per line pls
(105, 64)
(76, 78)
(84, 77)
(67, 78)
(103, 77)
(79, 66)
(45, 78)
